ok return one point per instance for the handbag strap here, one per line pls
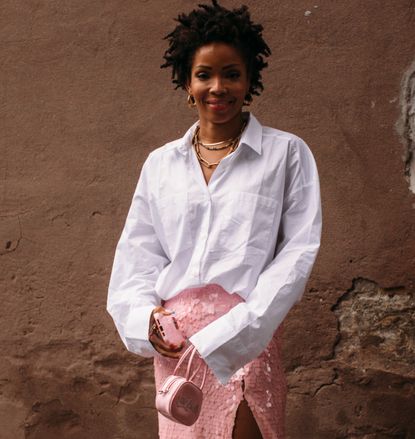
(182, 358)
(191, 349)
(204, 374)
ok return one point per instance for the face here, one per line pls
(219, 82)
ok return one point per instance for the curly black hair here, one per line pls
(214, 23)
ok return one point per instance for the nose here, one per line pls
(218, 86)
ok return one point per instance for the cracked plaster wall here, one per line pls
(406, 125)
(84, 102)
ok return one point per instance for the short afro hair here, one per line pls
(214, 23)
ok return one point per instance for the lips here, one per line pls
(218, 105)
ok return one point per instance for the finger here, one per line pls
(156, 338)
(157, 309)
(171, 347)
(166, 353)
(165, 349)
(166, 311)
(162, 310)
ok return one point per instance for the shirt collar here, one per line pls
(252, 136)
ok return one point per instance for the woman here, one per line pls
(223, 229)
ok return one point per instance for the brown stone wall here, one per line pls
(82, 103)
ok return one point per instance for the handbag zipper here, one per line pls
(168, 384)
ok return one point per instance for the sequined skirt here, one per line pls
(261, 382)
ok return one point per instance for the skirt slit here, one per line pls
(261, 382)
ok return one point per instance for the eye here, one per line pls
(233, 74)
(202, 76)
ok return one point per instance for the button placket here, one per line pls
(192, 165)
(203, 237)
(207, 189)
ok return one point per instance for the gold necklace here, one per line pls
(210, 164)
(232, 146)
(214, 146)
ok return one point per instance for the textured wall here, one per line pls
(82, 103)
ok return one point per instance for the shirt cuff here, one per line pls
(136, 331)
(227, 357)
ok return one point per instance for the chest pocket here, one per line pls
(246, 222)
(174, 216)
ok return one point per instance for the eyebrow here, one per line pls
(229, 66)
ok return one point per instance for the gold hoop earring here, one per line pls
(191, 101)
(247, 101)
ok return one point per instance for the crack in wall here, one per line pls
(375, 327)
(406, 125)
(332, 382)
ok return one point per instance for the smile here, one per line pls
(218, 105)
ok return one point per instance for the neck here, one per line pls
(211, 132)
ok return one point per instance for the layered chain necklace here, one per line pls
(232, 144)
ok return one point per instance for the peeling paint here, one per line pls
(376, 328)
(406, 124)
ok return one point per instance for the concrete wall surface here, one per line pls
(83, 101)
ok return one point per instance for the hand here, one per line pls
(159, 345)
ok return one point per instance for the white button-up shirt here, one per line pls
(254, 229)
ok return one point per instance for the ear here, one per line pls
(249, 84)
(247, 93)
(249, 78)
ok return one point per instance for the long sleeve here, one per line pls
(139, 259)
(243, 333)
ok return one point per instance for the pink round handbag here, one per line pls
(179, 398)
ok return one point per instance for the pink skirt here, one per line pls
(261, 382)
